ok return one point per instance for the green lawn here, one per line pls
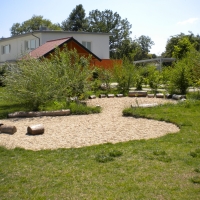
(162, 168)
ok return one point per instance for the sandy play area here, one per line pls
(85, 130)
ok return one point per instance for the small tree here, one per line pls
(180, 78)
(124, 75)
(154, 78)
(104, 76)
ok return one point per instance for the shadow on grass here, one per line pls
(6, 108)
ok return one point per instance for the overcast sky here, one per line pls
(158, 19)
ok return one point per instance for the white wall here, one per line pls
(17, 47)
(99, 42)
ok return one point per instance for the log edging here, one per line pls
(39, 114)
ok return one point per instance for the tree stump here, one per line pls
(8, 129)
(159, 95)
(110, 95)
(102, 96)
(150, 95)
(137, 93)
(168, 96)
(35, 129)
(92, 97)
(119, 95)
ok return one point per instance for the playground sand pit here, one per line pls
(76, 131)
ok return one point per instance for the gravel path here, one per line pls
(86, 130)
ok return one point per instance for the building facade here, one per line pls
(13, 48)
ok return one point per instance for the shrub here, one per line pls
(37, 82)
(180, 78)
(124, 75)
(101, 76)
(78, 108)
(2, 73)
(154, 78)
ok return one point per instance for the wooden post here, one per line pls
(35, 129)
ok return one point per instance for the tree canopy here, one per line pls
(33, 24)
(179, 45)
(76, 21)
(109, 22)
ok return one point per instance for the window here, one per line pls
(30, 44)
(87, 45)
(6, 49)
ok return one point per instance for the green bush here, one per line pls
(180, 78)
(80, 109)
(124, 76)
(2, 73)
(37, 82)
(154, 78)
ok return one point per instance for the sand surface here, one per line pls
(86, 130)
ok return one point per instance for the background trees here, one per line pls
(109, 22)
(179, 45)
(145, 44)
(33, 24)
(76, 21)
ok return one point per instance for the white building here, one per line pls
(14, 47)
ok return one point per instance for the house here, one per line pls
(97, 44)
(48, 49)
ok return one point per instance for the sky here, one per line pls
(157, 19)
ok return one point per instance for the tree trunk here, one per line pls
(35, 129)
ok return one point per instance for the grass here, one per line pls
(162, 168)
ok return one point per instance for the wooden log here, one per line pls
(92, 97)
(150, 95)
(168, 96)
(110, 95)
(38, 114)
(23, 114)
(119, 95)
(35, 129)
(137, 93)
(102, 96)
(145, 105)
(159, 95)
(178, 97)
(8, 129)
(55, 113)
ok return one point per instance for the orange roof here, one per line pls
(49, 46)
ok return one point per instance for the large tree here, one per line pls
(145, 43)
(109, 22)
(181, 43)
(33, 24)
(76, 21)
